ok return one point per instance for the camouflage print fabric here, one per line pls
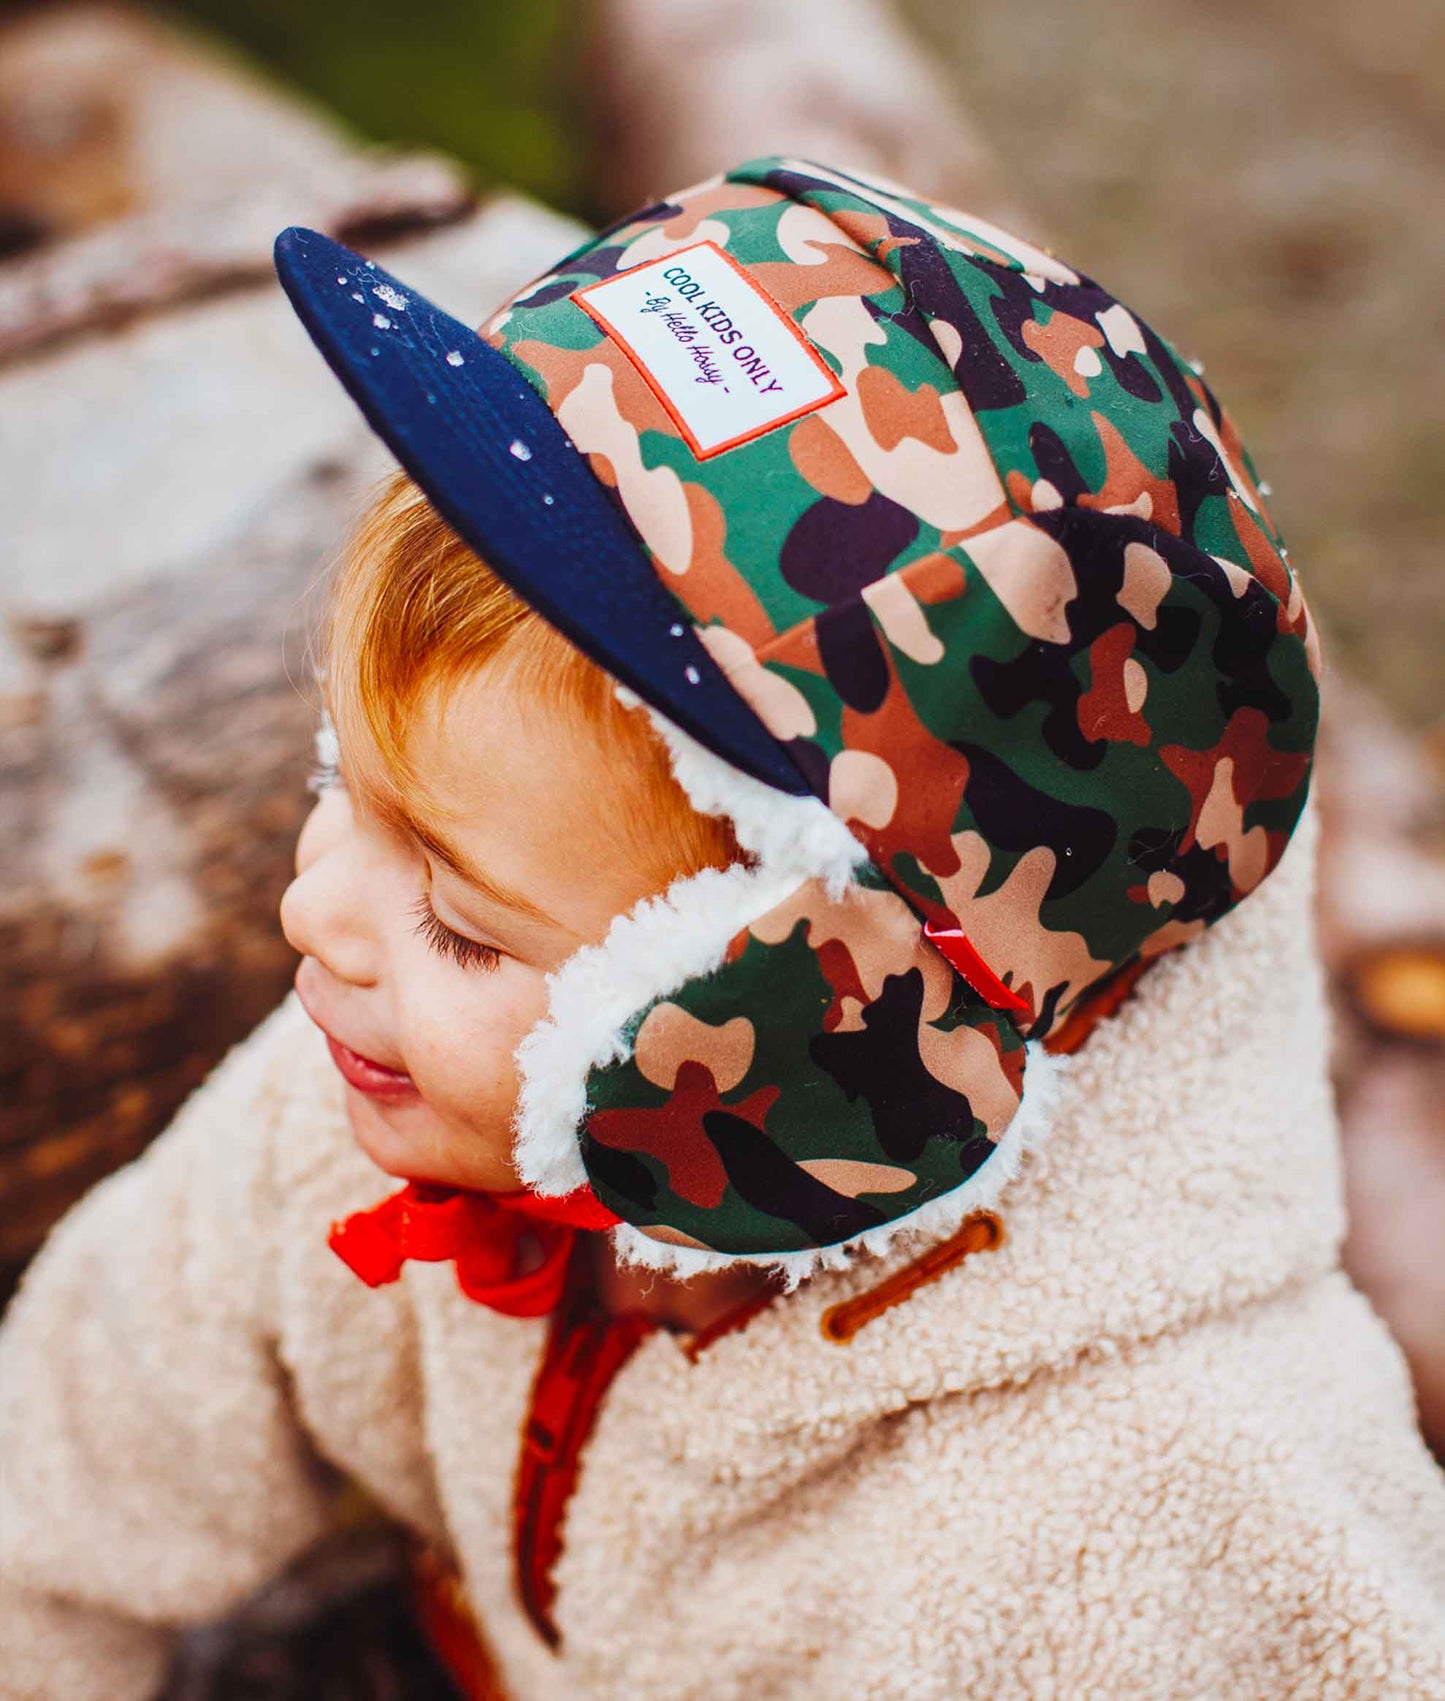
(834, 1074)
(1014, 604)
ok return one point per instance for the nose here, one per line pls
(324, 910)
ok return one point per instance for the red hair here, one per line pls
(413, 610)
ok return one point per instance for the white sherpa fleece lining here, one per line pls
(664, 942)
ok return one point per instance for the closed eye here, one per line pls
(465, 953)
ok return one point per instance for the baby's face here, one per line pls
(426, 946)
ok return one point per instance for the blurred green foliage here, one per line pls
(495, 83)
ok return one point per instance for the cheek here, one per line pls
(462, 1029)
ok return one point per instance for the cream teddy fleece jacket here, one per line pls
(1153, 1446)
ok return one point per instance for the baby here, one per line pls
(438, 884)
(823, 670)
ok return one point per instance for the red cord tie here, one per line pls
(960, 951)
(485, 1234)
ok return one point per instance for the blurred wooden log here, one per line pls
(147, 801)
(686, 88)
(138, 168)
(173, 490)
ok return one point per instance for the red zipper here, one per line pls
(586, 1347)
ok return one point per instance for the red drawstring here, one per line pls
(485, 1234)
(960, 951)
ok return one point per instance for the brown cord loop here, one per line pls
(981, 1232)
(738, 1318)
(1095, 1007)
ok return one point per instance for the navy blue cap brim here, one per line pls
(492, 458)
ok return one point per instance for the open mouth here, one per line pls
(368, 1076)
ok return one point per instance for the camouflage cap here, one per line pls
(988, 561)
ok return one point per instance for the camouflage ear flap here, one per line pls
(770, 1062)
(833, 1077)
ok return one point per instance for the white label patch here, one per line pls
(720, 355)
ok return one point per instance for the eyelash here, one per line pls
(465, 953)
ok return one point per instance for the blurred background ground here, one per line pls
(1266, 183)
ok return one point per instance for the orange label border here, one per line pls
(837, 388)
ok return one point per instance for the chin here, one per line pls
(393, 1151)
(405, 1142)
